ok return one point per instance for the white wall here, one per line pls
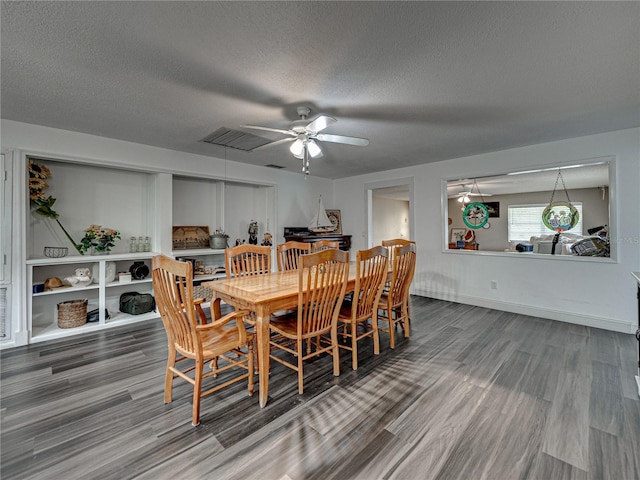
(589, 292)
(390, 219)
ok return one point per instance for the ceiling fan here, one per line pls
(304, 135)
(466, 193)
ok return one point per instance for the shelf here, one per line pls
(132, 282)
(197, 252)
(114, 257)
(62, 290)
(203, 278)
(52, 331)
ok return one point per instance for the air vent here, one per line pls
(271, 165)
(235, 139)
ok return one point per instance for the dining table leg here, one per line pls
(262, 334)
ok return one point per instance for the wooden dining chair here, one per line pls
(324, 244)
(322, 281)
(395, 242)
(195, 344)
(372, 267)
(394, 304)
(289, 252)
(247, 259)
(390, 246)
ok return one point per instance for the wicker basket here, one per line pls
(72, 313)
(200, 291)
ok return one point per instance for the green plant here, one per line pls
(98, 238)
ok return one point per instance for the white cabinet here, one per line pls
(103, 295)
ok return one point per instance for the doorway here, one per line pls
(389, 210)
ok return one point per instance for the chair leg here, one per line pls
(354, 346)
(392, 327)
(405, 314)
(214, 366)
(376, 334)
(197, 390)
(250, 356)
(336, 353)
(168, 376)
(299, 347)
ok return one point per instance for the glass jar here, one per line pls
(140, 244)
(147, 244)
(133, 245)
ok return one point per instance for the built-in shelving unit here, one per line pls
(42, 306)
(137, 203)
(212, 258)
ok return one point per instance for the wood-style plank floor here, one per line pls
(474, 393)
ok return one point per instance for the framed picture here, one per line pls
(494, 209)
(336, 220)
(457, 235)
(188, 237)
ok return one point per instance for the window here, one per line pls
(525, 221)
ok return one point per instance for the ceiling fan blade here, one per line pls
(479, 194)
(327, 137)
(268, 129)
(320, 123)
(277, 142)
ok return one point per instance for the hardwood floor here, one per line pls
(474, 393)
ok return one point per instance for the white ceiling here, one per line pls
(424, 81)
(546, 180)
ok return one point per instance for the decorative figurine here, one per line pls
(253, 232)
(267, 240)
(82, 278)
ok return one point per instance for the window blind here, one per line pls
(525, 221)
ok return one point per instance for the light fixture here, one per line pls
(464, 199)
(314, 149)
(297, 148)
(302, 148)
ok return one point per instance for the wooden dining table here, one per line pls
(263, 295)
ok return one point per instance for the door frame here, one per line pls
(368, 191)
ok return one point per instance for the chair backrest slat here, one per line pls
(289, 252)
(320, 245)
(395, 242)
(173, 291)
(372, 267)
(322, 283)
(404, 263)
(247, 259)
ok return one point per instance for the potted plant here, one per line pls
(99, 240)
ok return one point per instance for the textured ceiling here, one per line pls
(423, 81)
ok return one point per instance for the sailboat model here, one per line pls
(320, 222)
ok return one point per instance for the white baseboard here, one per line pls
(579, 319)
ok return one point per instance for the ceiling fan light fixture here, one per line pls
(314, 149)
(297, 148)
